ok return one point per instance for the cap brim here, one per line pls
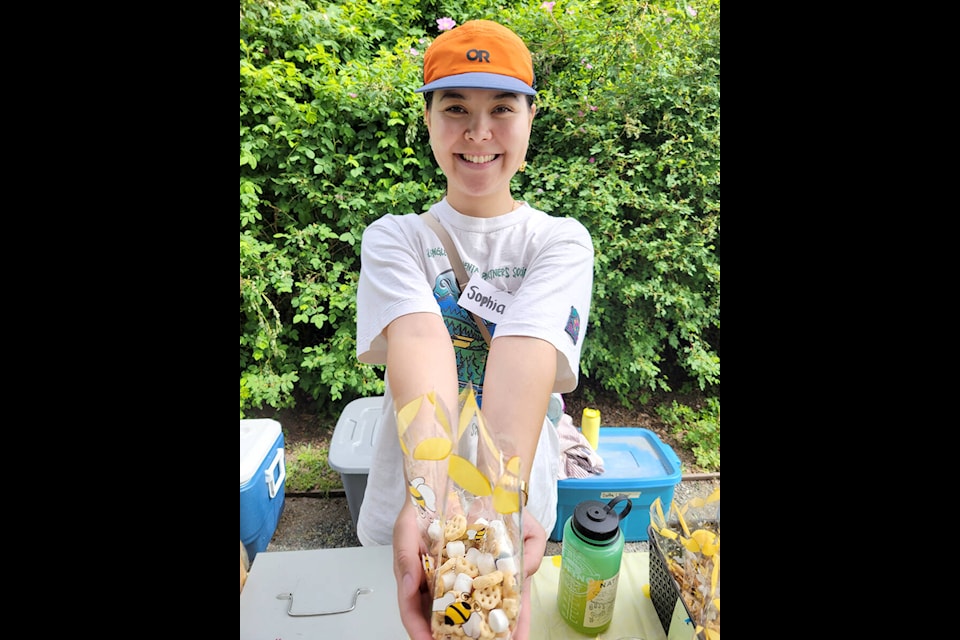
(493, 81)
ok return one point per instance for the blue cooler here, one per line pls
(635, 463)
(262, 476)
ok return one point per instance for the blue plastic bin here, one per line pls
(636, 463)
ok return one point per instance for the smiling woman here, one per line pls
(414, 316)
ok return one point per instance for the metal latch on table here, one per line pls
(353, 604)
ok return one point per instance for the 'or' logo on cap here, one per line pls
(478, 55)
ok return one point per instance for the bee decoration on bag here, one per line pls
(477, 535)
(457, 612)
(422, 496)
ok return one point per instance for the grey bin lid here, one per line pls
(351, 448)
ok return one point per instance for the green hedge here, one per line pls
(626, 140)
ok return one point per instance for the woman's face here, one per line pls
(479, 138)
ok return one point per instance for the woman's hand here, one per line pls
(413, 594)
(534, 546)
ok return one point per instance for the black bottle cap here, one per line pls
(597, 521)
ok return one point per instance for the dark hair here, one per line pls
(428, 97)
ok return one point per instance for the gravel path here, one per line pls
(325, 523)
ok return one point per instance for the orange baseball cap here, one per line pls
(479, 54)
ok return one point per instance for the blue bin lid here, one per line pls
(633, 457)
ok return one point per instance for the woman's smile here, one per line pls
(479, 159)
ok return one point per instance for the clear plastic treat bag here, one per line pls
(476, 567)
(426, 440)
(688, 536)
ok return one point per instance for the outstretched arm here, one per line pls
(516, 390)
(420, 360)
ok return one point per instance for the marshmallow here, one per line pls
(448, 579)
(486, 564)
(455, 549)
(473, 554)
(435, 531)
(463, 583)
(507, 565)
(498, 621)
(440, 604)
(473, 626)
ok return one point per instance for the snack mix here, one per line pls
(689, 538)
(472, 540)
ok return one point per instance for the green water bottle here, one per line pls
(590, 564)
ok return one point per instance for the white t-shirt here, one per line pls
(544, 262)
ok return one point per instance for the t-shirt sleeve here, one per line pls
(553, 302)
(393, 281)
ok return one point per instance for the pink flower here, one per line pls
(592, 160)
(445, 24)
(352, 95)
(691, 11)
(413, 52)
(548, 6)
(593, 108)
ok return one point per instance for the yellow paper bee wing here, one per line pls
(661, 521)
(405, 415)
(506, 500)
(701, 541)
(433, 449)
(465, 474)
(683, 523)
(506, 495)
(668, 533)
(468, 400)
(440, 412)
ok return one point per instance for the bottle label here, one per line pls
(601, 596)
(586, 592)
